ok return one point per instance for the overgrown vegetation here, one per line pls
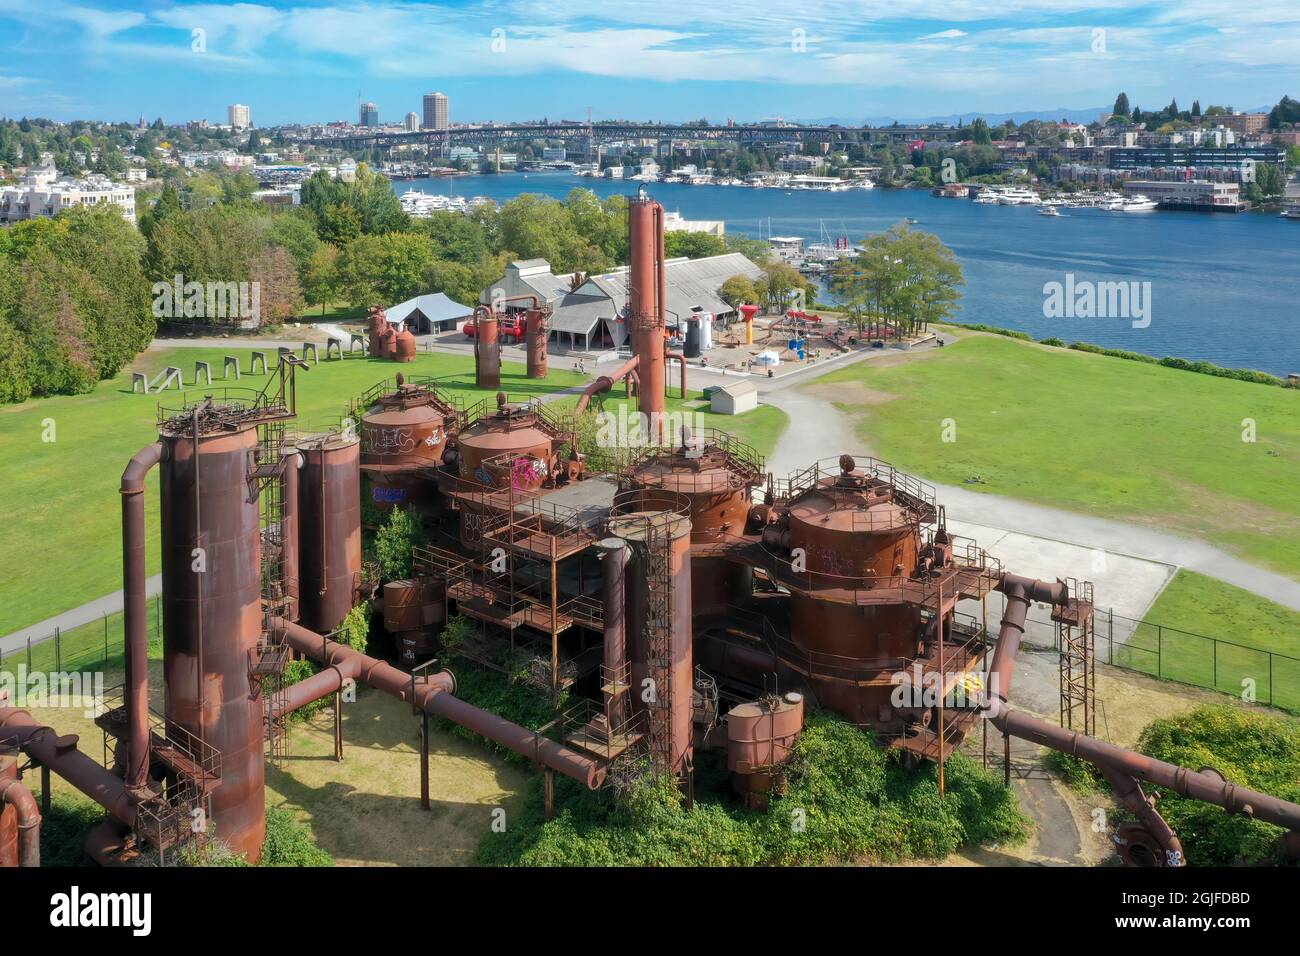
(506, 695)
(1251, 748)
(393, 544)
(847, 801)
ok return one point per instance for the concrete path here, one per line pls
(1027, 536)
(88, 612)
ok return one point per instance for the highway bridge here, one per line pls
(606, 132)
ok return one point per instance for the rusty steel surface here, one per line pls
(404, 347)
(212, 618)
(289, 521)
(646, 315)
(135, 613)
(760, 733)
(535, 333)
(510, 448)
(329, 539)
(487, 348)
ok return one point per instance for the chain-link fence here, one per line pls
(97, 646)
(1139, 645)
(1249, 673)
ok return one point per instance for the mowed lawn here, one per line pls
(61, 545)
(1258, 646)
(1097, 435)
(759, 428)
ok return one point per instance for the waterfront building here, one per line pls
(673, 222)
(1194, 194)
(436, 114)
(40, 196)
(1200, 157)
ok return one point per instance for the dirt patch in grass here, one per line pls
(849, 393)
(366, 811)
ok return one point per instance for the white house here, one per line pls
(735, 398)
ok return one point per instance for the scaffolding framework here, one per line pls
(1074, 638)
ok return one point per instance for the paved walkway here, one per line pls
(88, 612)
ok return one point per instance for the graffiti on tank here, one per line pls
(387, 441)
(527, 473)
(824, 559)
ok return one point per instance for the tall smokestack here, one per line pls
(646, 315)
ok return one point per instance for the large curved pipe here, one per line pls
(1200, 785)
(435, 696)
(61, 755)
(681, 360)
(20, 798)
(1129, 792)
(604, 383)
(136, 616)
(1020, 592)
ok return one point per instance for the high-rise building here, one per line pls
(435, 111)
(368, 115)
(412, 122)
(239, 116)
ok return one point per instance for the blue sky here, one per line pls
(640, 59)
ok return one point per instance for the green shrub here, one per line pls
(393, 544)
(355, 629)
(296, 671)
(846, 801)
(289, 843)
(1250, 748)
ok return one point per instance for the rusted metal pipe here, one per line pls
(289, 530)
(1020, 592)
(61, 755)
(1199, 785)
(681, 360)
(20, 798)
(136, 616)
(613, 570)
(604, 383)
(436, 696)
(1129, 792)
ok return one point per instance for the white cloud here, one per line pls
(944, 35)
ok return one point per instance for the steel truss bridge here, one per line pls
(663, 132)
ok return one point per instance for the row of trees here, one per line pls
(74, 302)
(902, 278)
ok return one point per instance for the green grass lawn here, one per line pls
(1168, 642)
(62, 544)
(759, 428)
(1098, 435)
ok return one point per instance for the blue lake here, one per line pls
(1223, 288)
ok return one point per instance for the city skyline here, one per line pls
(521, 59)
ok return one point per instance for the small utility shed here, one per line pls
(734, 399)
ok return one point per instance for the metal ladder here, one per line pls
(267, 670)
(1074, 637)
(658, 634)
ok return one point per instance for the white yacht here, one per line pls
(1049, 211)
(1291, 211)
(987, 197)
(1019, 197)
(1138, 203)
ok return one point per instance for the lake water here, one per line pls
(1223, 288)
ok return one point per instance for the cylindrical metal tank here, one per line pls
(692, 349)
(855, 539)
(535, 332)
(289, 533)
(212, 618)
(487, 349)
(404, 346)
(760, 733)
(413, 609)
(512, 432)
(718, 493)
(668, 534)
(329, 531)
(402, 435)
